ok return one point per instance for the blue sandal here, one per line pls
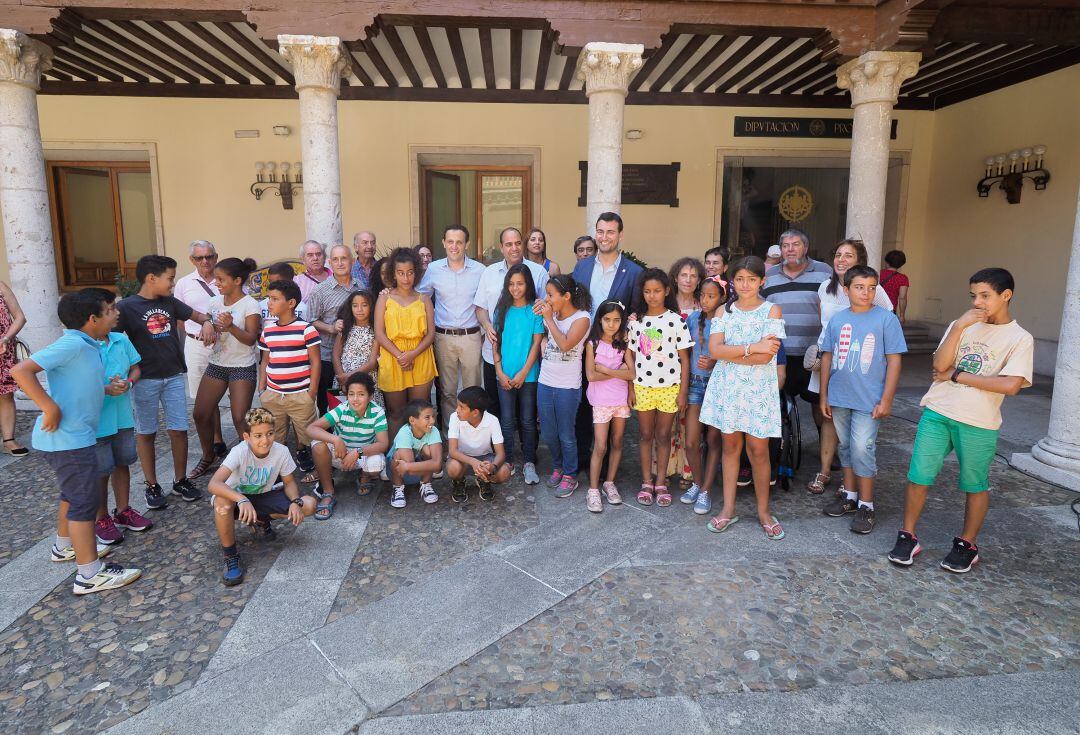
(325, 508)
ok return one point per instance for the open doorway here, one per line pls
(483, 198)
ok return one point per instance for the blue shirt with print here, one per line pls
(118, 355)
(859, 342)
(76, 378)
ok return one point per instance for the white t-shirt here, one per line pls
(655, 342)
(559, 369)
(269, 321)
(475, 441)
(228, 351)
(253, 475)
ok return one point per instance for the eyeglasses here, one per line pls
(204, 257)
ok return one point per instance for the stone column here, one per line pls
(874, 81)
(606, 69)
(318, 64)
(24, 198)
(1057, 455)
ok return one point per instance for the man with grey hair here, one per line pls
(793, 285)
(322, 308)
(313, 256)
(364, 245)
(196, 289)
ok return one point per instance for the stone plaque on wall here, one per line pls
(642, 183)
(796, 127)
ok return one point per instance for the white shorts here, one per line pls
(197, 357)
(370, 463)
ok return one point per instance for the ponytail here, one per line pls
(579, 295)
(236, 268)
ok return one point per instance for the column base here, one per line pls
(1060, 473)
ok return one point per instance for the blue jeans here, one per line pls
(519, 405)
(857, 434)
(170, 393)
(558, 412)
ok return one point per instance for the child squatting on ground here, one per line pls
(476, 446)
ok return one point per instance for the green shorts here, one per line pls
(937, 436)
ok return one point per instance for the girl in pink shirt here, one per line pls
(609, 366)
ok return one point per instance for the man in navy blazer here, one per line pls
(608, 275)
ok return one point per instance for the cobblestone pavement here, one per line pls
(690, 614)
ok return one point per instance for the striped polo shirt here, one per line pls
(356, 431)
(288, 369)
(798, 299)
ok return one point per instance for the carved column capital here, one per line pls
(608, 67)
(22, 59)
(317, 61)
(876, 76)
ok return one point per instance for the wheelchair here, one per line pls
(788, 456)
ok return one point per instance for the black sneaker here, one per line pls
(487, 492)
(234, 571)
(840, 507)
(457, 492)
(317, 490)
(155, 496)
(187, 491)
(962, 558)
(220, 449)
(863, 522)
(304, 460)
(264, 529)
(906, 549)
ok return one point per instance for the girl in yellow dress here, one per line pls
(405, 331)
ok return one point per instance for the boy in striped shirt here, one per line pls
(351, 436)
(289, 379)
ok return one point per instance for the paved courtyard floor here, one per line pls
(531, 615)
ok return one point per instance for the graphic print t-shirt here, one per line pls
(253, 475)
(859, 342)
(655, 342)
(988, 350)
(151, 325)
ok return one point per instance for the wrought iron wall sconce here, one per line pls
(1020, 167)
(283, 184)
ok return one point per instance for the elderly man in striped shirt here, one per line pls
(793, 285)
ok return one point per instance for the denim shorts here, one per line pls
(117, 450)
(77, 474)
(170, 393)
(696, 394)
(856, 433)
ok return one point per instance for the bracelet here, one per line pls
(746, 351)
(242, 500)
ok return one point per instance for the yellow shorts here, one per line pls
(662, 399)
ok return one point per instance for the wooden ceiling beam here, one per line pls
(358, 71)
(749, 46)
(211, 39)
(190, 47)
(797, 49)
(653, 61)
(134, 29)
(715, 52)
(109, 42)
(102, 30)
(793, 74)
(430, 56)
(543, 60)
(63, 53)
(69, 23)
(1066, 58)
(990, 59)
(696, 41)
(259, 52)
(1018, 59)
(487, 56)
(567, 77)
(402, 54)
(377, 61)
(515, 57)
(825, 84)
(461, 63)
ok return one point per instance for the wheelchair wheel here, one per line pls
(795, 432)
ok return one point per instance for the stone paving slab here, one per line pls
(395, 645)
(294, 690)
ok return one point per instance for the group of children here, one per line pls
(718, 368)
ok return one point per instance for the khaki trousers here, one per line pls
(458, 359)
(285, 407)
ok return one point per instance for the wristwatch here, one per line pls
(298, 502)
(956, 374)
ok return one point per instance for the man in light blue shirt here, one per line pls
(487, 297)
(452, 282)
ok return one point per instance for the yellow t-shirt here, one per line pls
(987, 350)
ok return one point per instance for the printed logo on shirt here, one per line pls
(649, 341)
(976, 356)
(158, 323)
(255, 478)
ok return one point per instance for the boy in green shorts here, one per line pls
(983, 357)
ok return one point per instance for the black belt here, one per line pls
(458, 332)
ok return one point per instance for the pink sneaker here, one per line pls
(132, 520)
(107, 532)
(612, 493)
(592, 500)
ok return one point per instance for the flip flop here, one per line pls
(719, 525)
(325, 508)
(773, 531)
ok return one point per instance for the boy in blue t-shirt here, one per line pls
(860, 369)
(416, 453)
(116, 437)
(66, 432)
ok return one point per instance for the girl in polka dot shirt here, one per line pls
(661, 345)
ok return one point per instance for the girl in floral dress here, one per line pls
(354, 348)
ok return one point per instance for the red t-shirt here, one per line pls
(892, 281)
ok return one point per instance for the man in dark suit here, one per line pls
(609, 277)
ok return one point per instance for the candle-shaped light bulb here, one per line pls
(1025, 153)
(1039, 150)
(1014, 156)
(284, 166)
(259, 166)
(989, 164)
(999, 159)
(298, 171)
(270, 166)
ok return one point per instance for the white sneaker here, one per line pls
(397, 500)
(438, 475)
(529, 472)
(68, 554)
(428, 494)
(110, 577)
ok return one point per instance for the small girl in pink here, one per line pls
(609, 366)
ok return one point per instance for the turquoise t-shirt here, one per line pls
(119, 355)
(76, 378)
(516, 340)
(406, 439)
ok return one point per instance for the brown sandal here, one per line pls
(200, 469)
(818, 484)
